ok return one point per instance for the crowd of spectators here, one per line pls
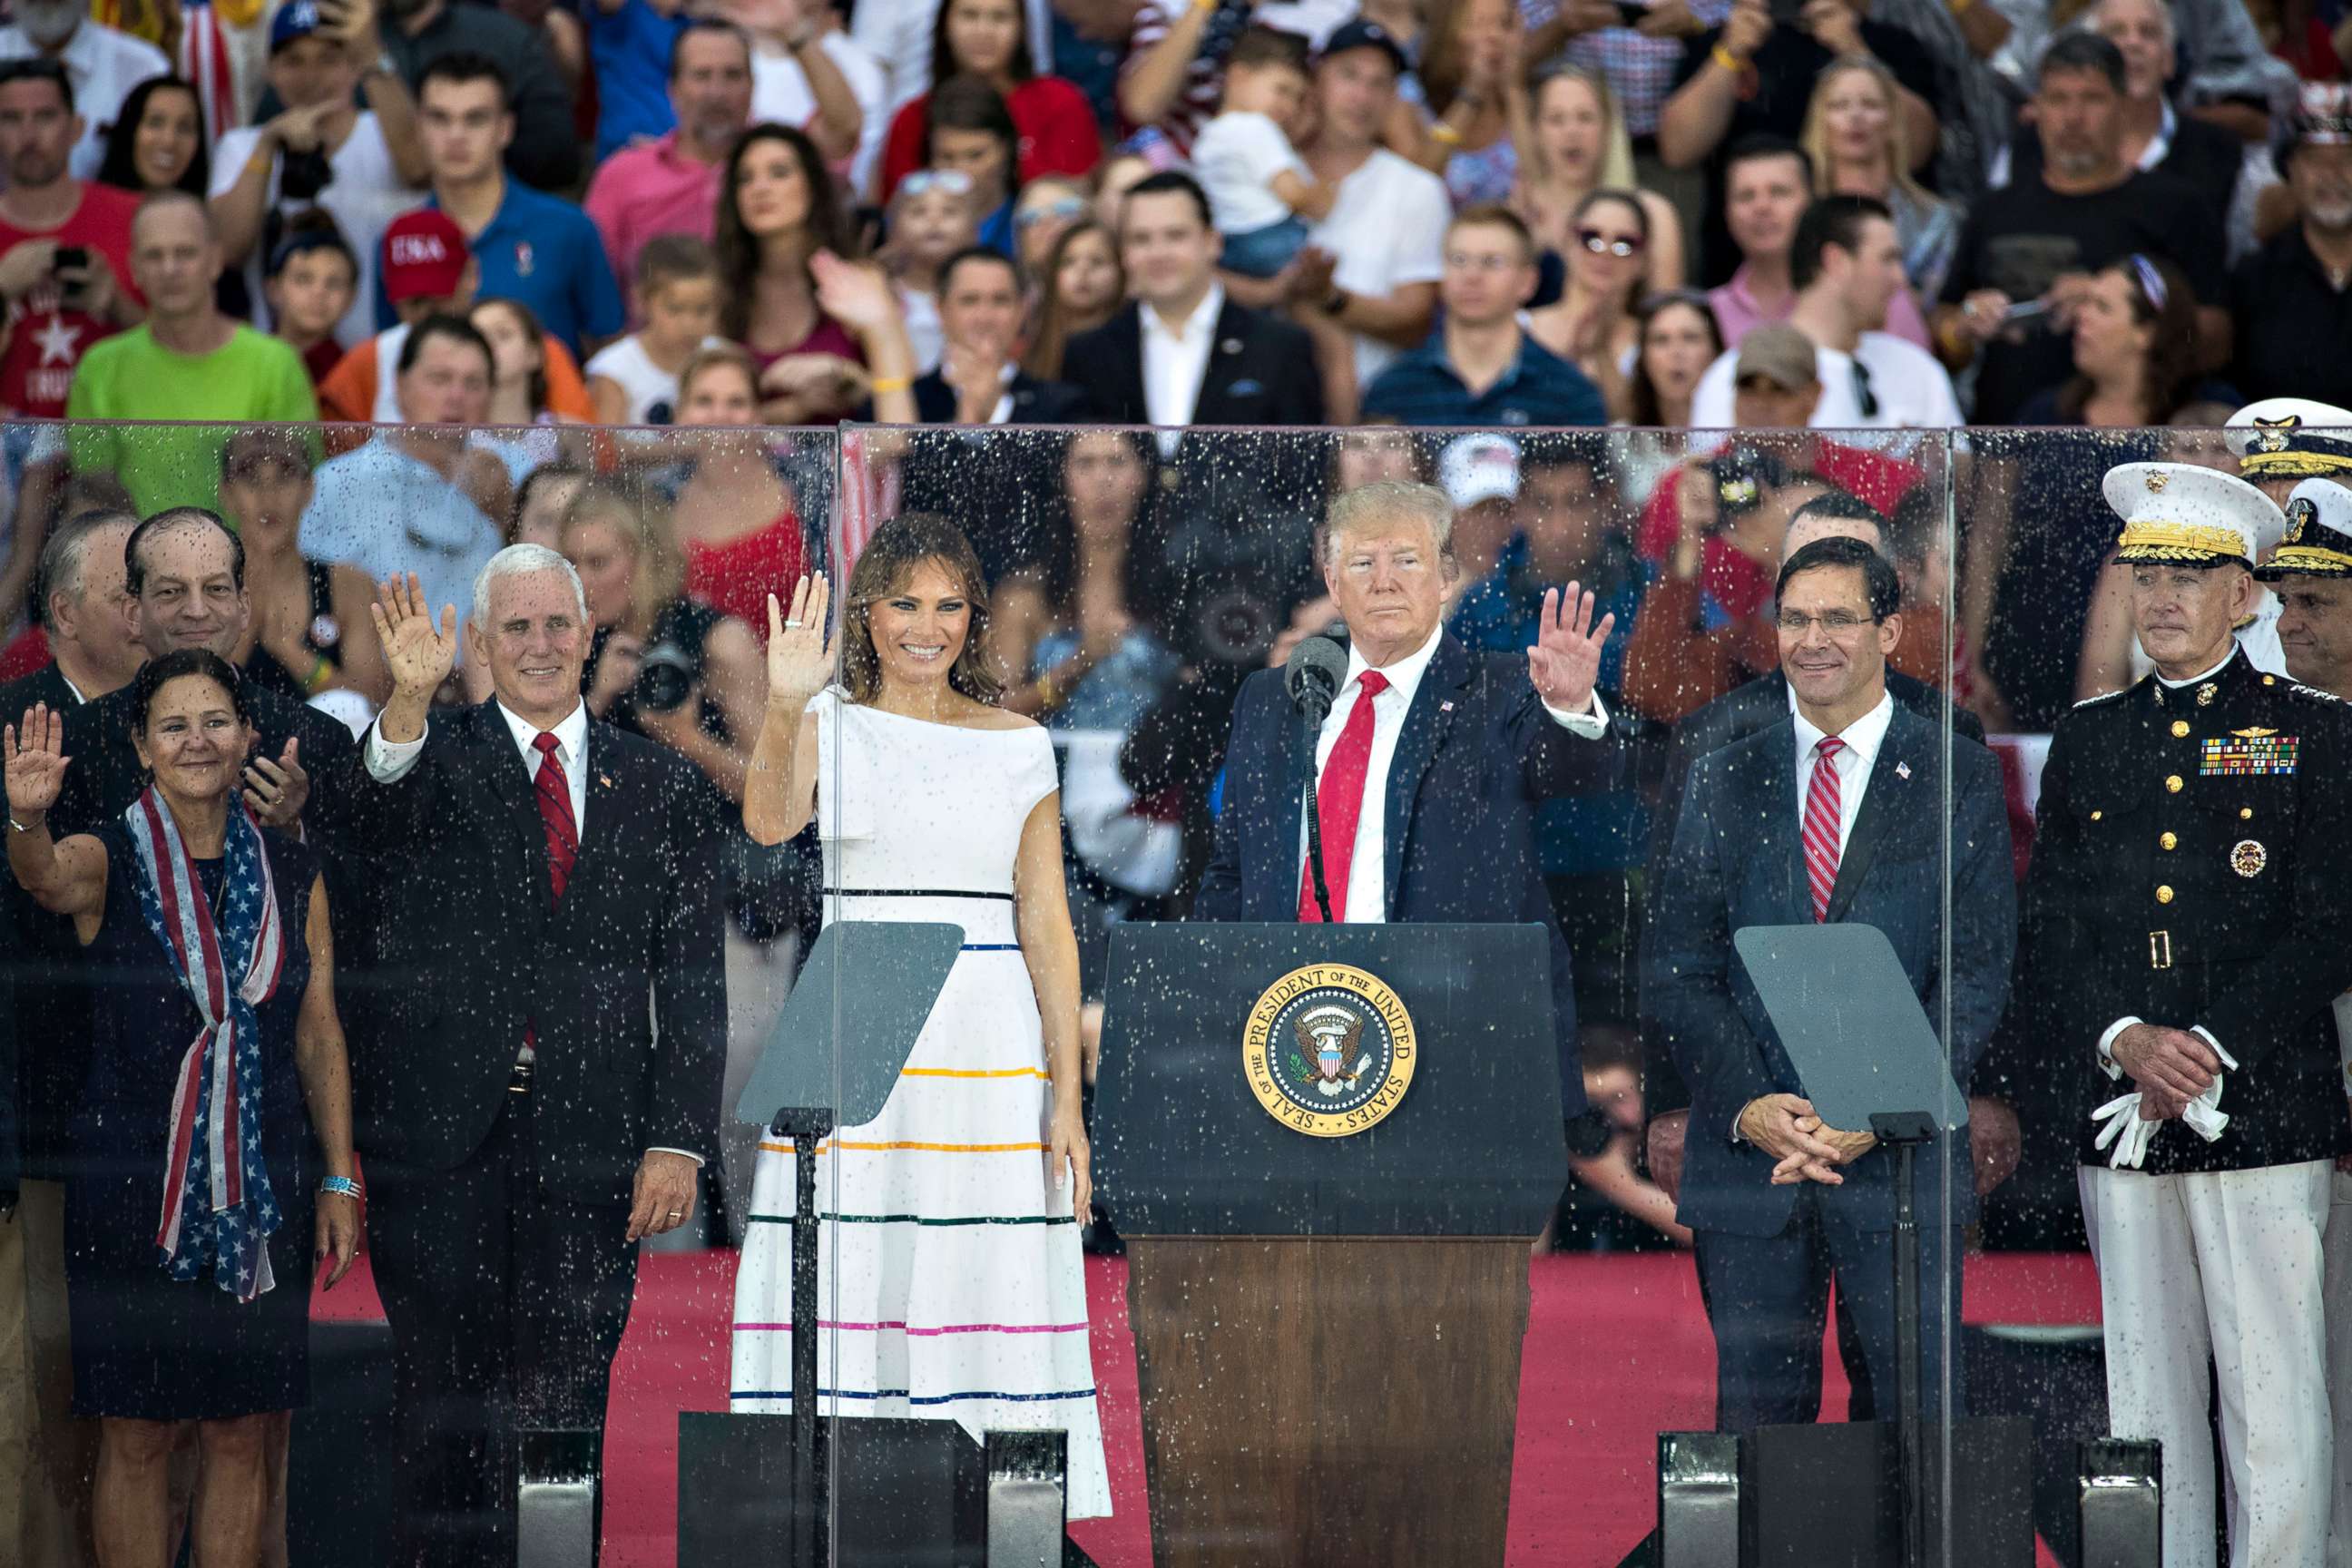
(523, 239)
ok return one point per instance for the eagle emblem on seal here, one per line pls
(1328, 1037)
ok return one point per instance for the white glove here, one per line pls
(2130, 1134)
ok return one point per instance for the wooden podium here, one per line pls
(1329, 1327)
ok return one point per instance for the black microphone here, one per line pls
(1312, 674)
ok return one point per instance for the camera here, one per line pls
(667, 677)
(303, 175)
(1231, 584)
(1743, 477)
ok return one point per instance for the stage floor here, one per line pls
(1617, 1351)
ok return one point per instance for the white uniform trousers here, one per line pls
(2225, 1263)
(2338, 1248)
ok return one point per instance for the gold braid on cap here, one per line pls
(2151, 538)
(2293, 465)
(2312, 557)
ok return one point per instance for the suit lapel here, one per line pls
(1225, 357)
(1127, 331)
(1779, 838)
(1426, 724)
(1885, 799)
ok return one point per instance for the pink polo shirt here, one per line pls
(648, 189)
(1736, 311)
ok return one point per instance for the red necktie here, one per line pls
(1823, 805)
(555, 811)
(1340, 800)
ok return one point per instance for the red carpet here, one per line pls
(1617, 1351)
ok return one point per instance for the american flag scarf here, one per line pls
(218, 1211)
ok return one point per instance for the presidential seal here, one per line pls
(1329, 1050)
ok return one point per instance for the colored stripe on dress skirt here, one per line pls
(786, 1394)
(823, 1218)
(920, 1334)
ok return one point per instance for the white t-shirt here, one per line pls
(1387, 228)
(1234, 157)
(362, 198)
(779, 93)
(1911, 389)
(103, 66)
(652, 391)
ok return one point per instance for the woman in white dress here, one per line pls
(950, 1281)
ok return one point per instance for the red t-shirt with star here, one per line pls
(45, 339)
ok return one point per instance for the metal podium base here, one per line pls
(555, 1501)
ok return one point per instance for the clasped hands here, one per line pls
(1806, 1148)
(2180, 1076)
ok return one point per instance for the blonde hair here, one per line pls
(1816, 138)
(660, 571)
(1616, 168)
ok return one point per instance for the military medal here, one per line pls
(2248, 752)
(2247, 857)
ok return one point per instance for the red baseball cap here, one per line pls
(423, 253)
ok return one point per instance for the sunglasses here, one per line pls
(954, 182)
(1067, 209)
(1619, 246)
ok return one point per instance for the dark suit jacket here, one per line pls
(1755, 705)
(1034, 402)
(477, 947)
(1476, 754)
(34, 1081)
(1739, 860)
(1261, 371)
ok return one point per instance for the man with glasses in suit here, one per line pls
(1847, 267)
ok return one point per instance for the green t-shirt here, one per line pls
(249, 380)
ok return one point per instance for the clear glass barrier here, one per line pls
(1417, 1264)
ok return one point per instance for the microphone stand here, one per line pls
(1314, 707)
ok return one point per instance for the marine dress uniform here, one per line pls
(2318, 544)
(2193, 869)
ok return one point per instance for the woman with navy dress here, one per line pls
(215, 1060)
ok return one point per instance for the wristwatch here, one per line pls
(17, 826)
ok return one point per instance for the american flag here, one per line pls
(218, 1212)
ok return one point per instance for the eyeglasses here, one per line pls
(1067, 209)
(954, 182)
(1836, 623)
(1619, 246)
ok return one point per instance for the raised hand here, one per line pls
(34, 761)
(799, 663)
(278, 791)
(1566, 659)
(420, 659)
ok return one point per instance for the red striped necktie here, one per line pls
(554, 793)
(1340, 801)
(1823, 805)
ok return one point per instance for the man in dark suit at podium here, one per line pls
(1833, 813)
(540, 1080)
(1430, 765)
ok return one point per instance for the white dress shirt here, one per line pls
(1367, 901)
(1853, 762)
(1175, 364)
(388, 762)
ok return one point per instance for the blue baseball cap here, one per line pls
(1359, 34)
(295, 20)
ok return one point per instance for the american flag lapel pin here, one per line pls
(1445, 706)
(605, 780)
(1903, 770)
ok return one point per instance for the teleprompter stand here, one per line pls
(863, 1490)
(1869, 1494)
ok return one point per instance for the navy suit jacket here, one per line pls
(1477, 754)
(1739, 860)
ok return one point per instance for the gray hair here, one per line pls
(1384, 500)
(523, 561)
(59, 570)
